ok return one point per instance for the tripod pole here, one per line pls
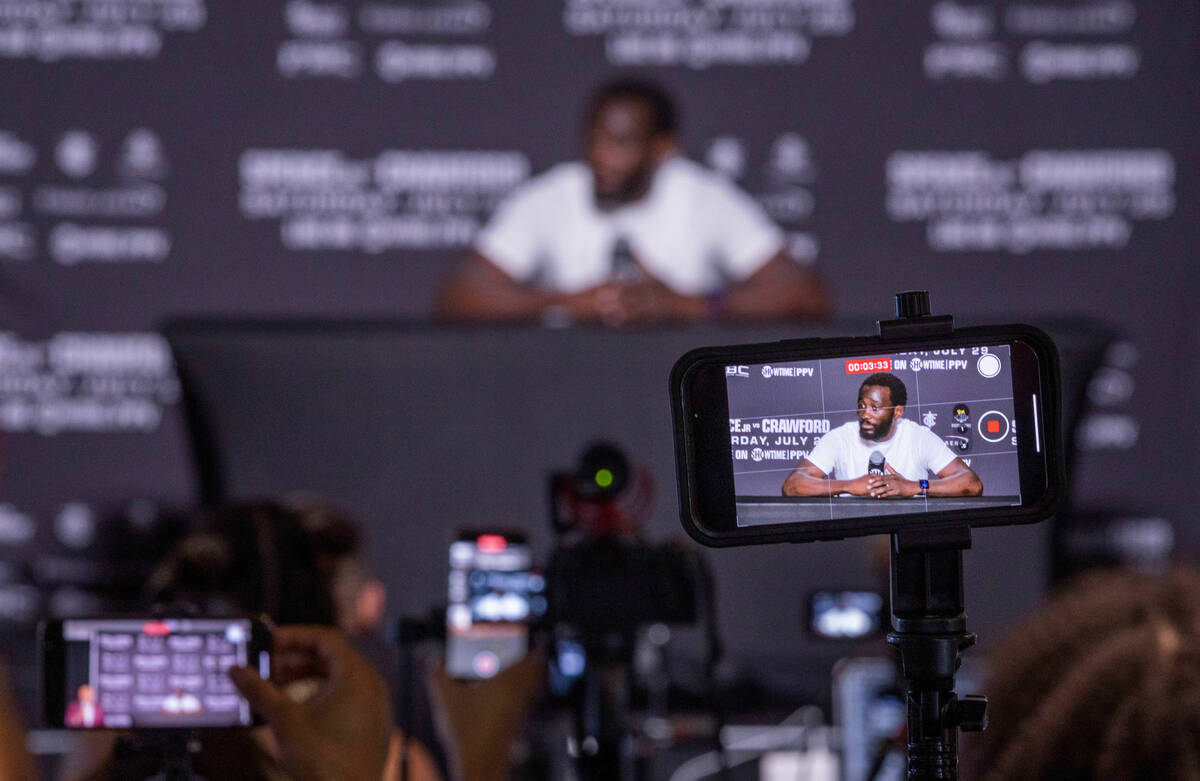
(929, 634)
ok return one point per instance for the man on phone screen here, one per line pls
(84, 711)
(882, 454)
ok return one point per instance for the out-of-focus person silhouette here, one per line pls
(1102, 683)
(359, 598)
(257, 558)
(359, 604)
(635, 233)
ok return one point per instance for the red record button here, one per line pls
(491, 543)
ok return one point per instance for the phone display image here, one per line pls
(133, 673)
(493, 594)
(832, 438)
(820, 439)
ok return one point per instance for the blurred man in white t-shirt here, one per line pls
(636, 233)
(908, 458)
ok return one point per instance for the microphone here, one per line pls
(875, 465)
(625, 267)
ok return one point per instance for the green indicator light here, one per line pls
(604, 478)
(695, 414)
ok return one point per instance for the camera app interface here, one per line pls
(493, 595)
(170, 673)
(873, 435)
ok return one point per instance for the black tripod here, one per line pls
(603, 745)
(929, 632)
(928, 622)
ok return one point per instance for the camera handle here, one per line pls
(928, 620)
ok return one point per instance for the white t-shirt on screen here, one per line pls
(913, 450)
(694, 230)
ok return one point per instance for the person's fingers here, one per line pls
(288, 666)
(264, 697)
(327, 648)
(890, 468)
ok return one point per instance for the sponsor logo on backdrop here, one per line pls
(328, 40)
(103, 203)
(701, 33)
(1046, 199)
(399, 199)
(85, 382)
(16, 156)
(75, 525)
(990, 43)
(1108, 422)
(54, 30)
(16, 527)
(19, 603)
(17, 238)
(780, 183)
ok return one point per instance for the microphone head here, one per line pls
(876, 458)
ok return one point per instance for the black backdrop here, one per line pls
(167, 159)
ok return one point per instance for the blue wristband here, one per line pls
(924, 487)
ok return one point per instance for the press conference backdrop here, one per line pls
(171, 158)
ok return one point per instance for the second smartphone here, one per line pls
(494, 594)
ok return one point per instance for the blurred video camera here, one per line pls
(603, 578)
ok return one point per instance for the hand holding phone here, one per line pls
(343, 730)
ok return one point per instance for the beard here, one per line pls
(882, 429)
(633, 188)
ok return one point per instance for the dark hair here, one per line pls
(1104, 682)
(247, 557)
(662, 109)
(892, 383)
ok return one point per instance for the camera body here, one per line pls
(613, 584)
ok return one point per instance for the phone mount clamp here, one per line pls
(928, 620)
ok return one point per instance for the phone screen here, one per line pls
(493, 593)
(155, 673)
(915, 417)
